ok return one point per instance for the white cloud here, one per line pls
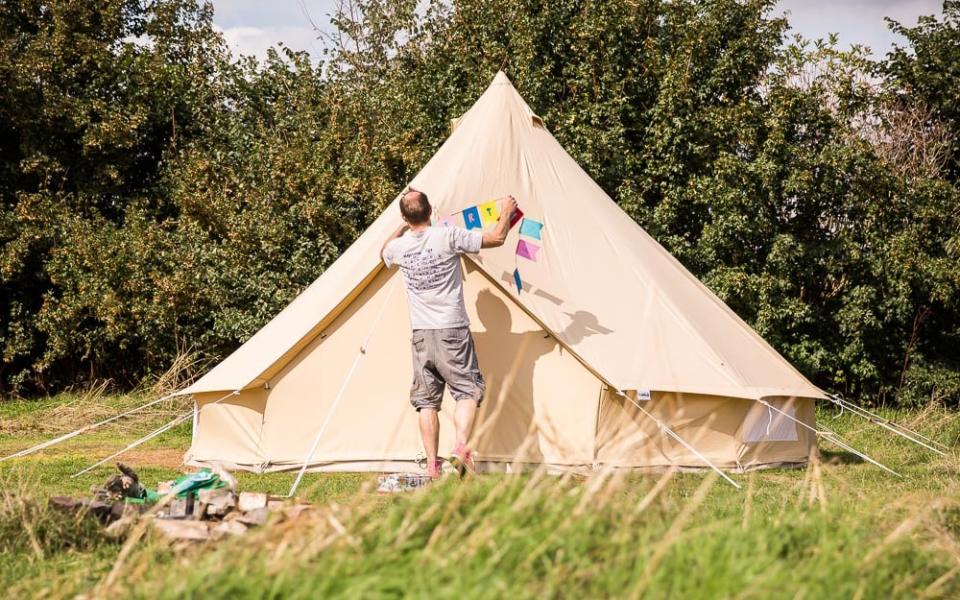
(252, 26)
(255, 41)
(855, 21)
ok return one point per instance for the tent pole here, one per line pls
(342, 391)
(674, 435)
(831, 437)
(895, 428)
(84, 429)
(195, 413)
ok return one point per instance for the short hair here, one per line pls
(415, 207)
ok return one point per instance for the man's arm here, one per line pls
(400, 230)
(498, 235)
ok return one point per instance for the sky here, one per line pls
(252, 26)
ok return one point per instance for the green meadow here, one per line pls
(840, 528)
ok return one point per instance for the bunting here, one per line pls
(489, 212)
(531, 228)
(526, 248)
(486, 213)
(516, 216)
(471, 216)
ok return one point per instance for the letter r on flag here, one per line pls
(471, 217)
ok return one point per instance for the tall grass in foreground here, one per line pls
(837, 529)
(538, 536)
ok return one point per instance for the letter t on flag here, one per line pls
(489, 212)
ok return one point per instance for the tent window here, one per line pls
(765, 425)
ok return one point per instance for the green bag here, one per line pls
(190, 484)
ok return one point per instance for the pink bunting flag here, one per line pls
(527, 250)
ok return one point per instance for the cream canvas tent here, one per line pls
(603, 310)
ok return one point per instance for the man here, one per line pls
(442, 347)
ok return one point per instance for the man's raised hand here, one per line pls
(498, 235)
(509, 205)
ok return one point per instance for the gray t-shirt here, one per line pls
(430, 265)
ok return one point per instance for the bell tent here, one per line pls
(605, 351)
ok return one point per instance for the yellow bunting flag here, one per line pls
(489, 212)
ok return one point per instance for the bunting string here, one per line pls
(487, 213)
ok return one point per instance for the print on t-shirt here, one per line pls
(430, 266)
(426, 270)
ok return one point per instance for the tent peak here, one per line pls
(500, 79)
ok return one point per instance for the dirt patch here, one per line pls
(161, 457)
(166, 458)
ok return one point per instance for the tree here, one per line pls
(156, 192)
(95, 95)
(926, 73)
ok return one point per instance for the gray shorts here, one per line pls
(444, 357)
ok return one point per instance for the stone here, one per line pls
(177, 508)
(251, 501)
(233, 515)
(67, 504)
(292, 512)
(227, 529)
(257, 516)
(133, 509)
(275, 505)
(118, 510)
(102, 510)
(120, 528)
(174, 530)
(217, 503)
(208, 495)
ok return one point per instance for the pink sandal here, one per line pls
(462, 460)
(436, 471)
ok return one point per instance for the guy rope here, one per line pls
(343, 388)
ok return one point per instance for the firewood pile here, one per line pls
(195, 507)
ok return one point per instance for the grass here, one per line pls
(838, 529)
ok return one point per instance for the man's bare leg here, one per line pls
(430, 432)
(463, 418)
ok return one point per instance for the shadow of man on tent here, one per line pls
(508, 427)
(508, 360)
(582, 324)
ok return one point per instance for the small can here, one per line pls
(393, 483)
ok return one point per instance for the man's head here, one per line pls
(415, 207)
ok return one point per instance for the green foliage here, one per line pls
(160, 195)
(927, 71)
(95, 96)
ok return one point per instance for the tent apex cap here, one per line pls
(501, 78)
